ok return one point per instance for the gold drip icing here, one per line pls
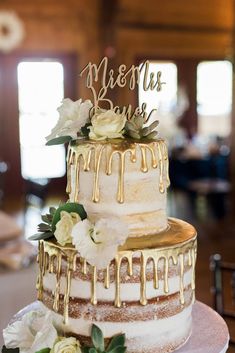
(155, 278)
(84, 266)
(144, 258)
(71, 266)
(107, 278)
(57, 288)
(80, 156)
(177, 251)
(40, 275)
(160, 157)
(96, 190)
(166, 159)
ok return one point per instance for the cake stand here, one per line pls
(209, 331)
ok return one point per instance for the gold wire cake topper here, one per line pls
(109, 79)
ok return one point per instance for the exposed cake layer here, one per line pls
(130, 287)
(122, 178)
(158, 307)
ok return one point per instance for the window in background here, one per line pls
(41, 90)
(214, 98)
(164, 101)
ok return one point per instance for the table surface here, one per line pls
(209, 331)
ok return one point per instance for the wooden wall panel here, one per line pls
(60, 26)
(133, 45)
(216, 14)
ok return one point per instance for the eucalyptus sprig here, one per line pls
(47, 228)
(116, 345)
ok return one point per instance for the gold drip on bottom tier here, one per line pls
(152, 258)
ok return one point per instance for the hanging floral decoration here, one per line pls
(11, 31)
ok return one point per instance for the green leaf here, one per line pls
(41, 236)
(118, 349)
(92, 350)
(97, 338)
(43, 227)
(68, 207)
(154, 125)
(85, 131)
(44, 350)
(10, 350)
(52, 211)
(139, 121)
(47, 218)
(85, 349)
(59, 140)
(152, 135)
(130, 127)
(134, 135)
(118, 340)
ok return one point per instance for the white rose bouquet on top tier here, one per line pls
(73, 116)
(106, 124)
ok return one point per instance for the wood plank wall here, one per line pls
(57, 26)
(173, 29)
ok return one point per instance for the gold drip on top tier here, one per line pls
(176, 246)
(80, 155)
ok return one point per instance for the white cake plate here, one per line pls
(209, 332)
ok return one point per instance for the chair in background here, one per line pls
(219, 269)
(3, 170)
(36, 192)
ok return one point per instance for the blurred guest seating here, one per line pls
(202, 174)
(223, 304)
(15, 251)
(36, 191)
(3, 170)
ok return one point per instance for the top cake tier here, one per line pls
(122, 178)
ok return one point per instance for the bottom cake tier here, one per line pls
(147, 292)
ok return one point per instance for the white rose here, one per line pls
(72, 117)
(98, 243)
(64, 227)
(66, 345)
(107, 124)
(32, 333)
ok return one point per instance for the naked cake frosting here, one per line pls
(115, 273)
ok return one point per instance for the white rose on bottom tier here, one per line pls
(32, 333)
(98, 243)
(64, 227)
(107, 124)
(66, 345)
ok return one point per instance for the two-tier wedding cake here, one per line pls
(115, 274)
